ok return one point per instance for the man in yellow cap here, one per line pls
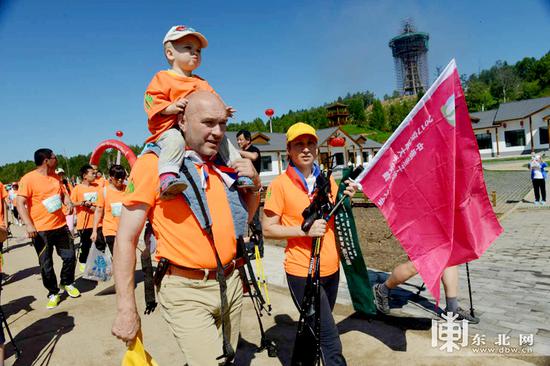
(287, 197)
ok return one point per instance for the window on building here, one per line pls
(339, 158)
(543, 135)
(266, 164)
(484, 141)
(323, 159)
(351, 156)
(514, 138)
(284, 161)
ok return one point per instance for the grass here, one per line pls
(500, 160)
(376, 135)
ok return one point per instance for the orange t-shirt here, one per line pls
(101, 181)
(113, 204)
(44, 194)
(165, 88)
(286, 200)
(180, 239)
(85, 215)
(3, 196)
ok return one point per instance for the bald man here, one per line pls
(195, 254)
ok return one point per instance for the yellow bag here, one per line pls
(137, 355)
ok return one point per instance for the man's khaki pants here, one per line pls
(192, 309)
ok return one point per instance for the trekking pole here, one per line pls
(470, 290)
(261, 276)
(250, 283)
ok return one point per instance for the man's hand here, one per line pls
(93, 237)
(351, 189)
(126, 325)
(31, 231)
(244, 168)
(175, 108)
(318, 229)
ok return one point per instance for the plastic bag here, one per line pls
(98, 265)
(137, 355)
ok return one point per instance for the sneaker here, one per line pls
(381, 301)
(542, 203)
(536, 203)
(465, 315)
(72, 291)
(81, 267)
(53, 301)
(245, 182)
(170, 187)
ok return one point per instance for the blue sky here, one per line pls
(74, 72)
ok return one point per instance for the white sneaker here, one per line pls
(536, 203)
(542, 203)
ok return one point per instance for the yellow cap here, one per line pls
(299, 129)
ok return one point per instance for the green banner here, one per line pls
(351, 257)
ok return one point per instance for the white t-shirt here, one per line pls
(537, 173)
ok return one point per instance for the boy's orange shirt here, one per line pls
(180, 239)
(85, 215)
(44, 193)
(286, 200)
(165, 88)
(113, 203)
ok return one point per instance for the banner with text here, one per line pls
(428, 182)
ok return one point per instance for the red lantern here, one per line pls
(119, 133)
(269, 112)
(337, 142)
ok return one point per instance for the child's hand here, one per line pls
(230, 111)
(176, 108)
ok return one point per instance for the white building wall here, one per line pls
(274, 165)
(537, 122)
(510, 126)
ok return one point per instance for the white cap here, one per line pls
(59, 171)
(179, 31)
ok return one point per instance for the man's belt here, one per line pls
(204, 273)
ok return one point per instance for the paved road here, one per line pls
(511, 284)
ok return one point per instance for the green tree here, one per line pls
(377, 118)
(478, 96)
(357, 111)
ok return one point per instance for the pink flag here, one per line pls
(428, 182)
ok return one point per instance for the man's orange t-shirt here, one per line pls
(166, 87)
(3, 196)
(113, 205)
(180, 239)
(286, 200)
(44, 194)
(101, 181)
(85, 215)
